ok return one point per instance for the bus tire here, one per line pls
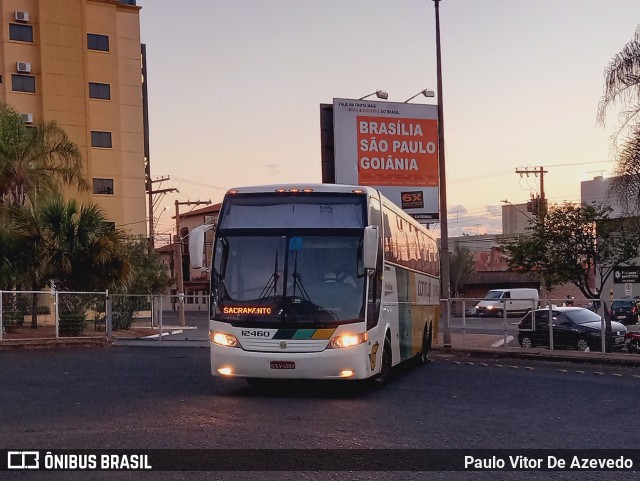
(426, 343)
(385, 363)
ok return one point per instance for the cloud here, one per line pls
(273, 168)
(457, 209)
(478, 221)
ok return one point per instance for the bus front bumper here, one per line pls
(347, 363)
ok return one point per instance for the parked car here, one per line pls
(573, 328)
(518, 300)
(625, 311)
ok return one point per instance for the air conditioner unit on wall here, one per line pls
(23, 67)
(21, 16)
(27, 118)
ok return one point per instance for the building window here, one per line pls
(103, 186)
(99, 91)
(100, 139)
(21, 33)
(97, 42)
(23, 83)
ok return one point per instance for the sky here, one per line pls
(235, 88)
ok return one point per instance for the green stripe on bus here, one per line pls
(304, 334)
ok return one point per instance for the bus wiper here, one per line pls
(221, 287)
(297, 281)
(272, 283)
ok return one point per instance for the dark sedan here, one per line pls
(624, 311)
(573, 328)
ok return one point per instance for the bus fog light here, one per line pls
(225, 371)
(347, 373)
(348, 340)
(223, 339)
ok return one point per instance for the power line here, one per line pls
(488, 175)
(200, 184)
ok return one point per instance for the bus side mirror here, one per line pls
(196, 245)
(370, 247)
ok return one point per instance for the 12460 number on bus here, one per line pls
(249, 333)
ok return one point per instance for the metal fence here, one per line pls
(528, 326)
(155, 319)
(29, 315)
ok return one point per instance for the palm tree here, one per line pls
(70, 244)
(36, 160)
(9, 250)
(625, 185)
(81, 249)
(622, 85)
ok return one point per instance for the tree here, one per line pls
(625, 185)
(9, 250)
(149, 276)
(573, 243)
(35, 161)
(622, 85)
(72, 245)
(461, 267)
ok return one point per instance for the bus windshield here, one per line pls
(288, 279)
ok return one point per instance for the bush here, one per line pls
(71, 323)
(40, 310)
(123, 309)
(12, 318)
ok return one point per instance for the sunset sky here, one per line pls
(235, 88)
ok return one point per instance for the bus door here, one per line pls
(389, 312)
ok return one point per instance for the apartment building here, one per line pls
(78, 62)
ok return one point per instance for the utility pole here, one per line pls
(151, 192)
(178, 258)
(538, 204)
(445, 287)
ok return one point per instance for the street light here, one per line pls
(425, 92)
(381, 94)
(505, 201)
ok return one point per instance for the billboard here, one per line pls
(390, 146)
(626, 274)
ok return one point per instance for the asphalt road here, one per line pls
(139, 398)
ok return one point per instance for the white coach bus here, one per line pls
(319, 281)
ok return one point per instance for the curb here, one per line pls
(631, 360)
(53, 343)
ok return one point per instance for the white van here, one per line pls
(513, 300)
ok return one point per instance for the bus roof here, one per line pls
(323, 188)
(330, 189)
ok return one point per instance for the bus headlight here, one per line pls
(348, 340)
(223, 339)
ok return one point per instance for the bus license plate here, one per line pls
(283, 365)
